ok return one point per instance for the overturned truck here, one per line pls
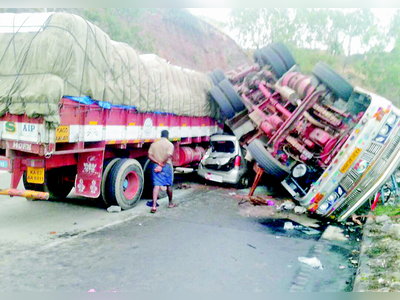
(330, 145)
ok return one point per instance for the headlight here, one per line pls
(380, 139)
(392, 119)
(324, 206)
(385, 130)
(299, 171)
(332, 197)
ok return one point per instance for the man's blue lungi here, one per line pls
(163, 178)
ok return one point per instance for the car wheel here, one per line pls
(284, 54)
(266, 161)
(269, 57)
(58, 182)
(336, 83)
(125, 183)
(232, 95)
(224, 104)
(244, 182)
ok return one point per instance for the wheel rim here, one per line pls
(130, 185)
(245, 181)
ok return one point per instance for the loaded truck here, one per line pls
(330, 145)
(79, 110)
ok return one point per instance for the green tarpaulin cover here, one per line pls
(45, 56)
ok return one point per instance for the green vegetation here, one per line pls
(328, 35)
(387, 210)
(119, 23)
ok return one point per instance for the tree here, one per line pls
(257, 27)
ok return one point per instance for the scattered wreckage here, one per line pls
(330, 145)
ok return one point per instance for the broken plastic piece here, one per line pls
(313, 262)
(288, 226)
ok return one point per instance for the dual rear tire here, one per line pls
(123, 183)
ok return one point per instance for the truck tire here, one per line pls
(284, 54)
(256, 56)
(224, 105)
(104, 189)
(219, 75)
(212, 77)
(269, 57)
(330, 78)
(232, 95)
(125, 183)
(58, 182)
(266, 161)
(148, 183)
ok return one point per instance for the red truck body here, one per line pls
(89, 137)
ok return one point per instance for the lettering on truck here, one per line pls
(22, 146)
(28, 128)
(10, 127)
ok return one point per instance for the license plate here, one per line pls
(35, 175)
(213, 177)
(350, 160)
(62, 134)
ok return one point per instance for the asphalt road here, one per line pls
(207, 243)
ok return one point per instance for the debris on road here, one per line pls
(288, 226)
(114, 208)
(334, 233)
(287, 205)
(255, 200)
(300, 210)
(251, 246)
(313, 262)
(181, 186)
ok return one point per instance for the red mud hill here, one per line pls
(172, 33)
(190, 42)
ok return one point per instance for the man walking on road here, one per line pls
(160, 154)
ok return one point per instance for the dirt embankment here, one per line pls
(192, 43)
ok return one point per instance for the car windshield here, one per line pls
(223, 146)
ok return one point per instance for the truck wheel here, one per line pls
(224, 105)
(232, 95)
(336, 83)
(266, 161)
(148, 188)
(256, 56)
(58, 182)
(219, 75)
(104, 189)
(125, 183)
(284, 54)
(269, 57)
(212, 77)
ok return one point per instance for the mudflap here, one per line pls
(90, 169)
